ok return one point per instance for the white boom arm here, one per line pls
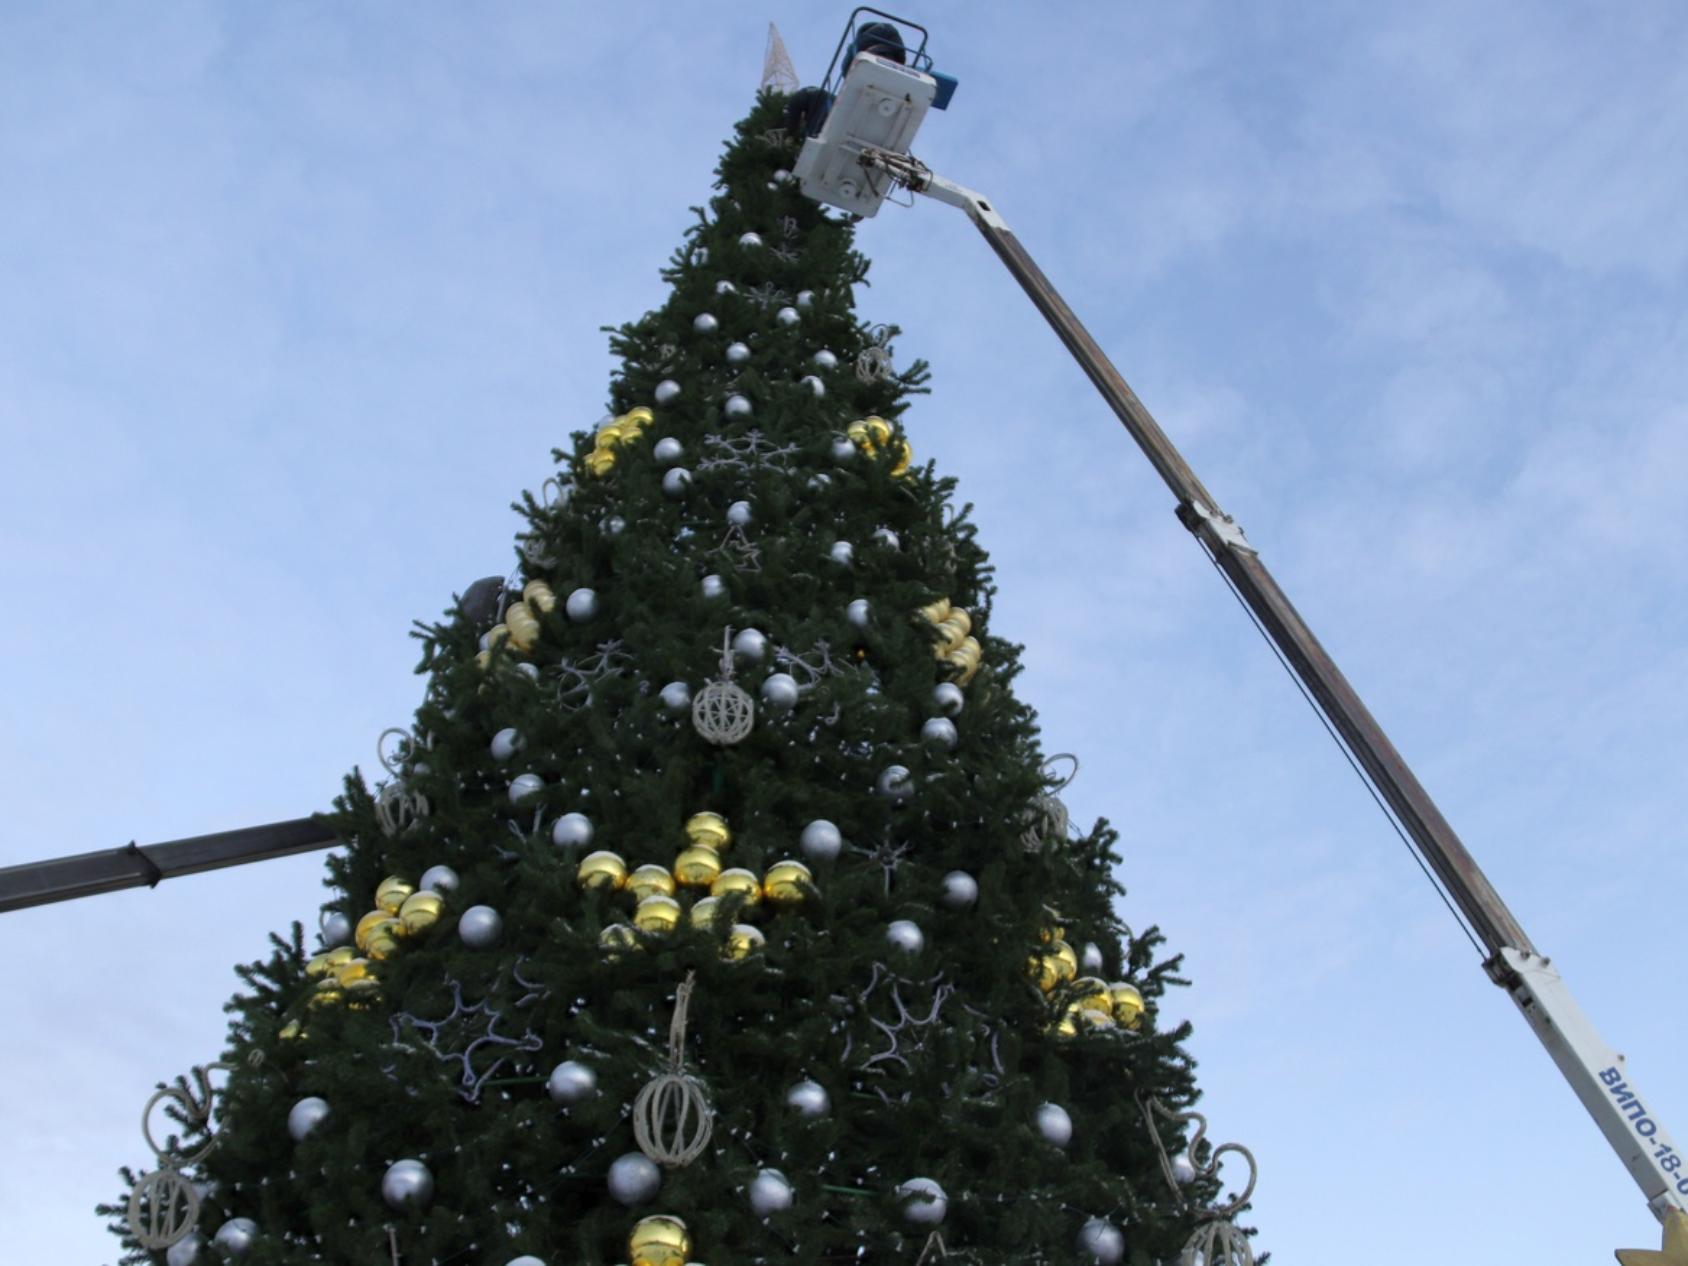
(1594, 1070)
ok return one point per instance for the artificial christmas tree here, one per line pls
(719, 906)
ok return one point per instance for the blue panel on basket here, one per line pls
(946, 90)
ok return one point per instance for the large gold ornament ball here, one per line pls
(1127, 1003)
(696, 867)
(420, 911)
(601, 870)
(635, 420)
(538, 595)
(328, 964)
(659, 1241)
(737, 882)
(743, 941)
(326, 993)
(1055, 929)
(367, 925)
(935, 611)
(1056, 964)
(617, 937)
(705, 912)
(383, 941)
(355, 973)
(650, 880)
(657, 913)
(708, 830)
(1091, 994)
(785, 881)
(391, 893)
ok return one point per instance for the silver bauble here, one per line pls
(1090, 958)
(1055, 1124)
(441, 879)
(750, 645)
(821, 841)
(615, 525)
(769, 1193)
(480, 926)
(572, 830)
(634, 1179)
(885, 536)
(805, 298)
(407, 1184)
(668, 450)
(185, 1251)
(961, 890)
(571, 1082)
(582, 605)
(335, 927)
(236, 1237)
(524, 785)
(809, 1099)
(815, 385)
(739, 514)
(675, 482)
(819, 481)
(939, 734)
(842, 552)
(924, 1202)
(530, 671)
(506, 743)
(843, 449)
(779, 691)
(526, 1259)
(667, 391)
(725, 287)
(736, 406)
(948, 699)
(895, 782)
(825, 359)
(781, 176)
(1102, 1242)
(700, 255)
(676, 696)
(737, 353)
(859, 613)
(713, 587)
(1183, 1170)
(704, 323)
(750, 241)
(905, 935)
(787, 316)
(305, 1116)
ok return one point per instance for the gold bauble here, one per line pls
(391, 893)
(1127, 1002)
(366, 925)
(290, 1030)
(657, 913)
(482, 659)
(696, 867)
(354, 972)
(650, 880)
(704, 912)
(601, 870)
(607, 436)
(326, 994)
(618, 936)
(737, 882)
(326, 964)
(1054, 930)
(933, 612)
(537, 594)
(600, 461)
(869, 434)
(496, 634)
(743, 941)
(659, 1241)
(383, 939)
(634, 421)
(905, 458)
(524, 626)
(420, 911)
(709, 830)
(1091, 994)
(1056, 964)
(785, 881)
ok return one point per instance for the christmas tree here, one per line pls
(719, 906)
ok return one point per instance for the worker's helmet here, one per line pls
(882, 40)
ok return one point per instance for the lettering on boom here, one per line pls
(1632, 1107)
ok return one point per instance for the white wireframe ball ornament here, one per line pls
(722, 712)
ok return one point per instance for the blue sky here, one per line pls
(294, 300)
